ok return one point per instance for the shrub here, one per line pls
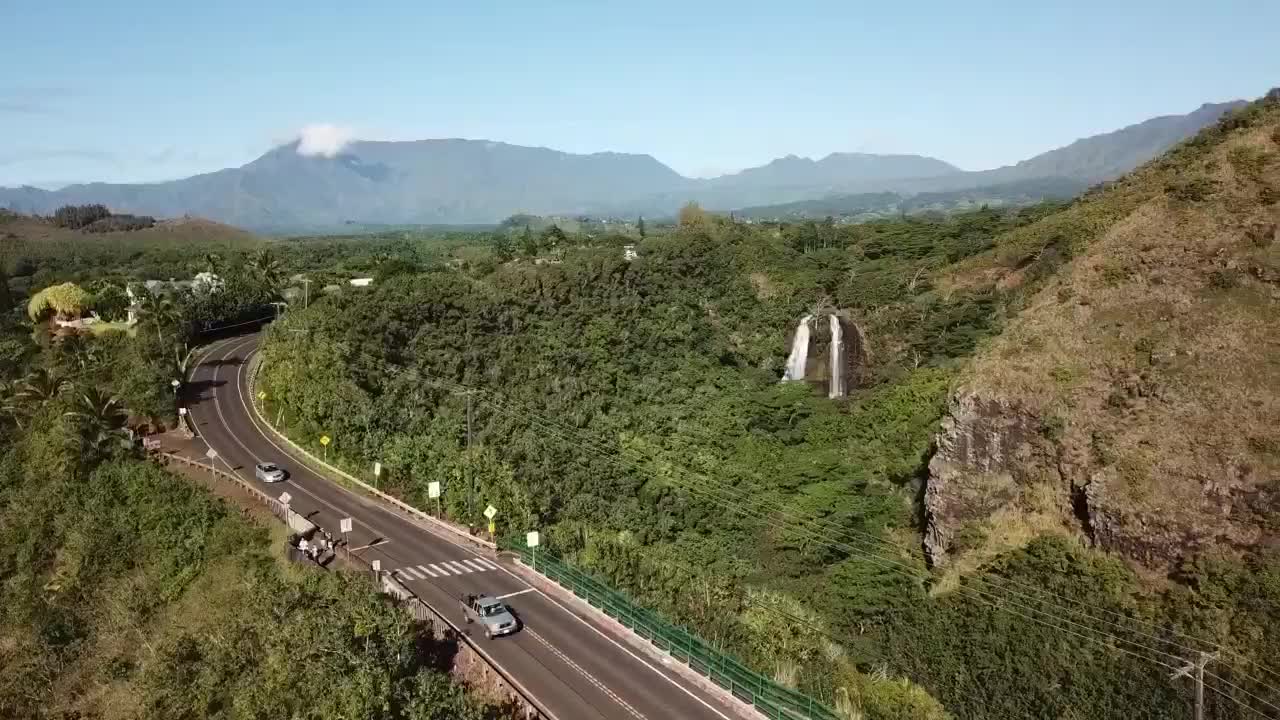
(1224, 278)
(1196, 189)
(1249, 162)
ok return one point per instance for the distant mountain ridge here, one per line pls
(835, 168)
(457, 181)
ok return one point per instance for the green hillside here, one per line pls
(127, 592)
(632, 411)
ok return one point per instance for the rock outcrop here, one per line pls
(1134, 400)
(980, 466)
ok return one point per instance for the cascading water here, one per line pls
(836, 386)
(799, 352)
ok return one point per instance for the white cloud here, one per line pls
(323, 139)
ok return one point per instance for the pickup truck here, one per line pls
(491, 613)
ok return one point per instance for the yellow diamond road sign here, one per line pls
(490, 511)
(262, 394)
(324, 440)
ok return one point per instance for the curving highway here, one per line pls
(565, 658)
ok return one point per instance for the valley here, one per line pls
(698, 361)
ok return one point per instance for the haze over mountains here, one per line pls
(477, 181)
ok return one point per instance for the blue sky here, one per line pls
(143, 90)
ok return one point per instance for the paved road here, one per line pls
(574, 667)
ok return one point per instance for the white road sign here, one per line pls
(377, 469)
(285, 498)
(211, 454)
(377, 565)
(490, 511)
(345, 525)
(433, 489)
(532, 539)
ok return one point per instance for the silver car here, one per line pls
(492, 615)
(269, 472)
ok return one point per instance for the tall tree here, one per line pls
(528, 243)
(502, 247)
(102, 418)
(267, 268)
(66, 301)
(213, 262)
(640, 226)
(553, 237)
(692, 214)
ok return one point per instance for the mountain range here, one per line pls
(454, 181)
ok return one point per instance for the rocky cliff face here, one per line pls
(1135, 400)
(981, 466)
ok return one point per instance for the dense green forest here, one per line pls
(632, 411)
(126, 592)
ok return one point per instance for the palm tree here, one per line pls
(163, 311)
(41, 387)
(267, 267)
(102, 417)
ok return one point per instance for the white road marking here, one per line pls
(379, 543)
(486, 563)
(476, 565)
(414, 573)
(571, 613)
(426, 570)
(441, 569)
(459, 567)
(518, 592)
(590, 678)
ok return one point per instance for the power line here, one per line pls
(830, 527)
(725, 497)
(981, 596)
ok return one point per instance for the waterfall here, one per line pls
(835, 387)
(799, 351)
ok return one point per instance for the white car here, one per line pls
(269, 472)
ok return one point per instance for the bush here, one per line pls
(1196, 189)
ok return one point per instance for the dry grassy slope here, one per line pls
(15, 227)
(1135, 399)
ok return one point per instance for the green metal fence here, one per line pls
(771, 699)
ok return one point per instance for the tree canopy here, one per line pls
(67, 300)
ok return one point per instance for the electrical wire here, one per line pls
(725, 498)
(830, 527)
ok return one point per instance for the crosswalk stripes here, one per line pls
(447, 568)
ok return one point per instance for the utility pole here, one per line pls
(306, 293)
(471, 487)
(1197, 666)
(471, 481)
